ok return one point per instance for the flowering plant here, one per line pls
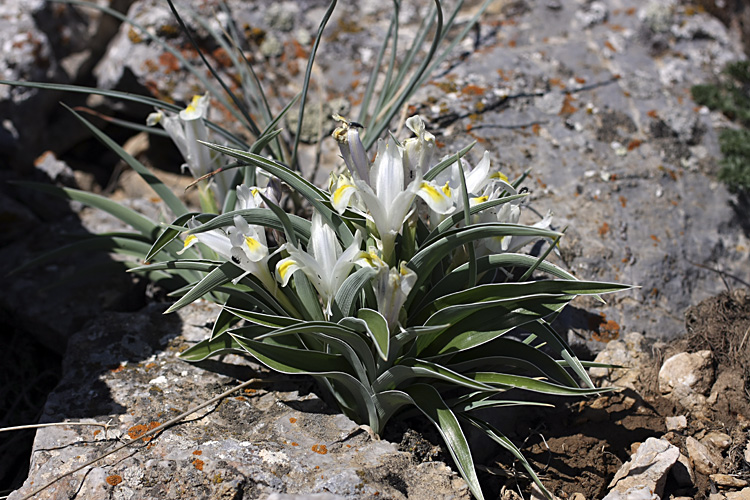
(404, 289)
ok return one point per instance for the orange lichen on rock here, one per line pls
(292, 420)
(634, 144)
(320, 449)
(197, 452)
(603, 229)
(568, 108)
(137, 431)
(198, 463)
(169, 62)
(113, 480)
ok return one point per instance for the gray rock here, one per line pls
(743, 494)
(677, 423)
(687, 377)
(719, 440)
(644, 476)
(726, 481)
(277, 438)
(705, 460)
(628, 353)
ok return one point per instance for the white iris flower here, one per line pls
(186, 129)
(389, 187)
(324, 263)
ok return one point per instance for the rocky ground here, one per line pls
(593, 97)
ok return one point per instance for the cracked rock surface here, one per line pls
(276, 437)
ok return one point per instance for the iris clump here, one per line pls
(401, 285)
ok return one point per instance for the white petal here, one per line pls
(437, 198)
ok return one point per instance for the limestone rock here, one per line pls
(719, 440)
(687, 377)
(705, 460)
(743, 494)
(676, 423)
(726, 481)
(275, 438)
(644, 476)
(628, 353)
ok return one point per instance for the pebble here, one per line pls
(678, 423)
(718, 440)
(727, 481)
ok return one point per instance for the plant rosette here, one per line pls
(405, 289)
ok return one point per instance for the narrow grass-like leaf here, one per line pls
(165, 193)
(427, 258)
(221, 275)
(264, 319)
(454, 219)
(306, 80)
(553, 340)
(168, 235)
(309, 191)
(261, 217)
(506, 443)
(506, 349)
(447, 162)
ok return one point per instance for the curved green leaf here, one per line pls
(429, 402)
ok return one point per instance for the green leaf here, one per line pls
(506, 351)
(447, 162)
(377, 328)
(456, 218)
(413, 370)
(429, 402)
(306, 79)
(503, 380)
(263, 319)
(553, 340)
(169, 234)
(428, 257)
(221, 344)
(165, 193)
(349, 343)
(304, 362)
(493, 291)
(346, 295)
(453, 281)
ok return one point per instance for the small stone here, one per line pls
(688, 371)
(747, 452)
(718, 440)
(577, 496)
(646, 473)
(743, 494)
(727, 481)
(678, 423)
(705, 460)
